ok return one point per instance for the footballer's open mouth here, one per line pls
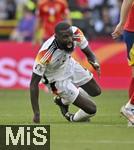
(69, 44)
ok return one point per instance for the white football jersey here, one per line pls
(56, 63)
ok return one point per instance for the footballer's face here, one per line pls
(65, 39)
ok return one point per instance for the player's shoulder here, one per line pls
(46, 51)
(74, 28)
(47, 43)
(77, 31)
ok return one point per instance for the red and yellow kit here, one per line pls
(51, 12)
(129, 26)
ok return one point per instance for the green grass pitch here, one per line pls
(106, 131)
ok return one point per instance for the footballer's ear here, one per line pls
(56, 36)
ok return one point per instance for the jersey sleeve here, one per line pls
(41, 60)
(38, 69)
(80, 38)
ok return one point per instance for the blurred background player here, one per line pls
(126, 23)
(49, 13)
(64, 74)
(25, 27)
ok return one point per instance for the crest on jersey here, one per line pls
(38, 67)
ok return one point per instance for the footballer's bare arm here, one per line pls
(34, 95)
(90, 55)
(92, 59)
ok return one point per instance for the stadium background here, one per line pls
(111, 54)
(107, 130)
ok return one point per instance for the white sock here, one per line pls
(130, 106)
(65, 102)
(80, 115)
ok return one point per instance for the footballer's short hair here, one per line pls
(61, 27)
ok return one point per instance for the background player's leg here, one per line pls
(131, 89)
(128, 109)
(131, 86)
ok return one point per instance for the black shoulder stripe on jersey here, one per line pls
(53, 46)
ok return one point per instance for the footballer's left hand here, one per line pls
(96, 66)
(36, 118)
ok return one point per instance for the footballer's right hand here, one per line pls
(117, 31)
(36, 118)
